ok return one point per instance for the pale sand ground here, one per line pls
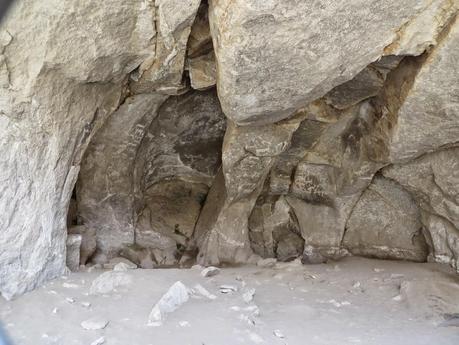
(305, 303)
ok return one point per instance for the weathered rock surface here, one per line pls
(386, 223)
(320, 97)
(105, 188)
(65, 64)
(433, 181)
(276, 56)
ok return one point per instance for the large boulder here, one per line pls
(386, 223)
(276, 56)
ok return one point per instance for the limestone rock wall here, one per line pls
(333, 130)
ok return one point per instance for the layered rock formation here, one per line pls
(333, 130)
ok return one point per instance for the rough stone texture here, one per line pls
(65, 64)
(385, 223)
(73, 252)
(176, 165)
(247, 156)
(313, 47)
(428, 119)
(320, 96)
(88, 241)
(274, 231)
(105, 187)
(163, 70)
(433, 180)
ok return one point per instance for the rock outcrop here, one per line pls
(220, 131)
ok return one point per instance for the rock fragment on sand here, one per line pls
(203, 292)
(248, 295)
(270, 262)
(99, 341)
(177, 295)
(94, 323)
(228, 289)
(278, 334)
(109, 282)
(210, 271)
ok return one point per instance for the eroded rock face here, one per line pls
(433, 181)
(385, 223)
(319, 45)
(341, 139)
(63, 76)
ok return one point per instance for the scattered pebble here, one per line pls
(99, 341)
(397, 298)
(109, 282)
(228, 288)
(85, 304)
(278, 334)
(70, 300)
(203, 292)
(378, 270)
(184, 324)
(248, 295)
(397, 276)
(55, 310)
(70, 286)
(210, 271)
(94, 323)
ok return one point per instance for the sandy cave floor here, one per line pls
(354, 301)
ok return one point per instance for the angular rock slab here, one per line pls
(386, 224)
(276, 56)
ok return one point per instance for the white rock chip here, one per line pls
(204, 292)
(109, 282)
(94, 323)
(278, 334)
(177, 295)
(98, 341)
(228, 288)
(210, 271)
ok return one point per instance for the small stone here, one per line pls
(270, 262)
(99, 341)
(70, 286)
(278, 334)
(122, 267)
(203, 291)
(228, 289)
(119, 260)
(109, 282)
(197, 267)
(94, 323)
(356, 285)
(85, 304)
(210, 271)
(397, 298)
(248, 295)
(378, 270)
(169, 302)
(70, 300)
(396, 276)
(184, 324)
(55, 310)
